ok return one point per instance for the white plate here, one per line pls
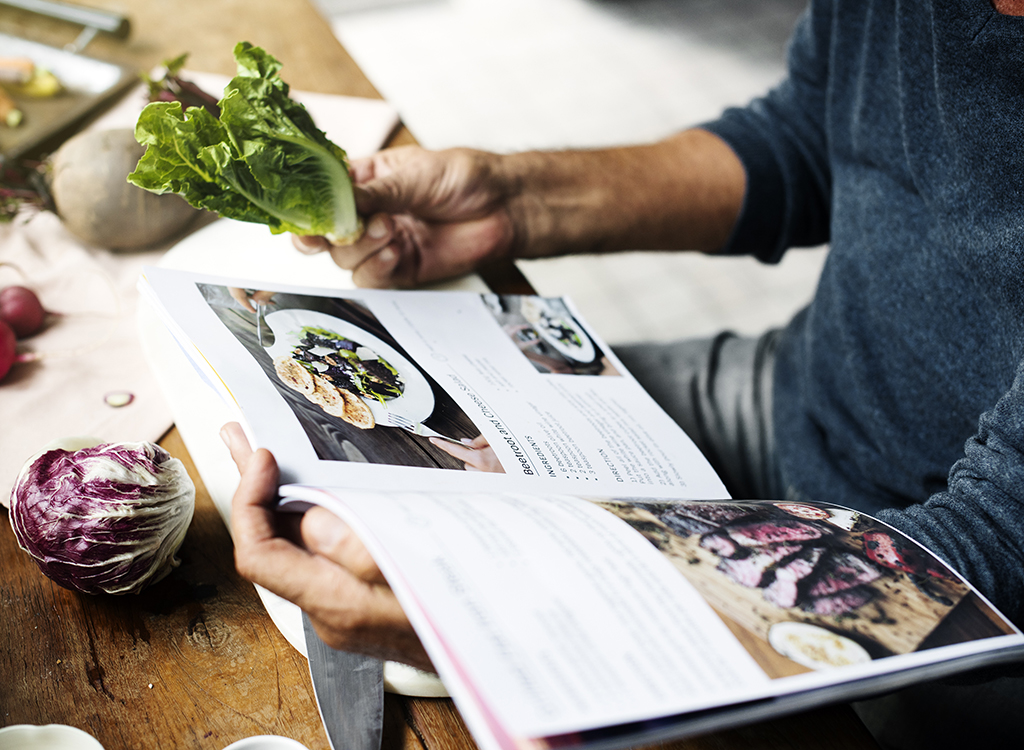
(266, 742)
(537, 311)
(417, 400)
(46, 737)
(815, 647)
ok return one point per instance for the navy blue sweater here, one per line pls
(898, 137)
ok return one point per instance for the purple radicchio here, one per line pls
(103, 519)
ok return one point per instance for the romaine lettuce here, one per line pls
(263, 160)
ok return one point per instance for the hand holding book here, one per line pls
(316, 562)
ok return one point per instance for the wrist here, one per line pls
(555, 202)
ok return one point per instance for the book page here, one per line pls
(564, 621)
(548, 614)
(443, 389)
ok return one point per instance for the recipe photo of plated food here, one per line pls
(344, 384)
(808, 587)
(349, 383)
(549, 335)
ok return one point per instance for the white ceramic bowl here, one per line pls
(266, 742)
(46, 737)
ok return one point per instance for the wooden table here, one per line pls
(195, 662)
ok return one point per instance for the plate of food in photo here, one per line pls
(345, 370)
(815, 647)
(556, 326)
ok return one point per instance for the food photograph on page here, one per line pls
(354, 390)
(548, 335)
(809, 587)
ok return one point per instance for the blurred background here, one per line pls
(508, 75)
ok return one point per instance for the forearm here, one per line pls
(682, 193)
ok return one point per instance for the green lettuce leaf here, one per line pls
(263, 160)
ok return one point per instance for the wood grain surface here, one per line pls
(195, 662)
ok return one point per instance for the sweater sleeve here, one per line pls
(781, 140)
(977, 524)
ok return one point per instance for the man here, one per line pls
(898, 138)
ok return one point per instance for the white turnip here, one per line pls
(21, 310)
(88, 182)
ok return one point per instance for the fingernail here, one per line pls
(306, 245)
(327, 533)
(225, 435)
(387, 256)
(377, 228)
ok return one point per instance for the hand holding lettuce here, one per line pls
(263, 160)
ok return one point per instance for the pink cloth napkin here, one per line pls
(91, 349)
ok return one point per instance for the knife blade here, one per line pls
(349, 690)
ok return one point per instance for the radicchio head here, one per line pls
(103, 519)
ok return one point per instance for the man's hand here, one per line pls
(434, 215)
(430, 216)
(316, 563)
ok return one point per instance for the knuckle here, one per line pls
(364, 279)
(363, 566)
(245, 564)
(370, 275)
(345, 256)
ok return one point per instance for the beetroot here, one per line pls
(21, 310)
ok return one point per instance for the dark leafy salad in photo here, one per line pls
(559, 329)
(347, 364)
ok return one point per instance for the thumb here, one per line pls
(238, 445)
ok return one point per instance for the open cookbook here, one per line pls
(571, 562)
